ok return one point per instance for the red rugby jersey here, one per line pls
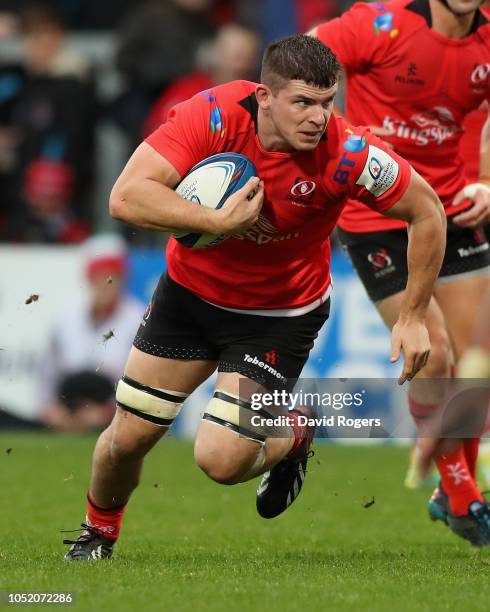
(469, 147)
(283, 261)
(418, 84)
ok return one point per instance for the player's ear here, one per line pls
(263, 94)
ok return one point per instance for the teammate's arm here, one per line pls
(422, 210)
(479, 193)
(144, 196)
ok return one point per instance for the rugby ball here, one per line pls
(210, 183)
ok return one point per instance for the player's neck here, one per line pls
(447, 23)
(268, 135)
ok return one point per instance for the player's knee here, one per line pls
(221, 468)
(439, 363)
(227, 443)
(124, 447)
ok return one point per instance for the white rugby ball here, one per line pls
(210, 183)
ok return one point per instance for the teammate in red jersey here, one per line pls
(475, 139)
(414, 70)
(252, 305)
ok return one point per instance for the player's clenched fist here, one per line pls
(241, 210)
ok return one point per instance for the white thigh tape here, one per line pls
(158, 406)
(235, 414)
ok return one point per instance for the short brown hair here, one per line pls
(299, 57)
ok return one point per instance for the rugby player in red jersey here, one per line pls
(414, 70)
(251, 306)
(476, 131)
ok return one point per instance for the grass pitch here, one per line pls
(189, 544)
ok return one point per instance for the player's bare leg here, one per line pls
(475, 363)
(118, 458)
(229, 454)
(458, 496)
(120, 450)
(438, 366)
(464, 294)
(229, 457)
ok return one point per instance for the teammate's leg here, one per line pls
(462, 295)
(475, 363)
(380, 260)
(466, 294)
(426, 400)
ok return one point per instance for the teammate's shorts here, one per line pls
(269, 350)
(380, 258)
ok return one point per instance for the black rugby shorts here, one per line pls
(269, 350)
(380, 258)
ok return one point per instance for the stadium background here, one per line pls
(354, 342)
(355, 540)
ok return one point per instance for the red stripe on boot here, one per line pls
(107, 521)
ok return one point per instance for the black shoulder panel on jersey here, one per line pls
(422, 8)
(251, 105)
(479, 20)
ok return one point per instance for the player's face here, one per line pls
(300, 113)
(463, 7)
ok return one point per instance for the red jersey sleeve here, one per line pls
(381, 176)
(360, 37)
(366, 169)
(190, 134)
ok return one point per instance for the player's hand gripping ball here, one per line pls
(210, 183)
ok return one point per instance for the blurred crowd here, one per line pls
(164, 51)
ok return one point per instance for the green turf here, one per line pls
(189, 544)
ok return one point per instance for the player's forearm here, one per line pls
(150, 205)
(426, 246)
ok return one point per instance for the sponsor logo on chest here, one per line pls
(479, 79)
(480, 73)
(302, 192)
(263, 232)
(435, 125)
(410, 77)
